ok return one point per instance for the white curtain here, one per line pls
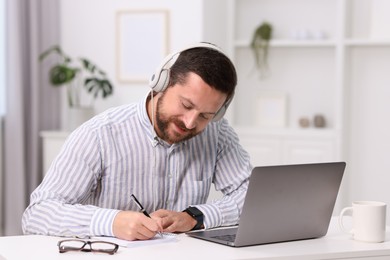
(32, 104)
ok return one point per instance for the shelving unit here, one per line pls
(298, 66)
(305, 71)
(345, 76)
(313, 72)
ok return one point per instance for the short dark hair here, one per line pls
(214, 67)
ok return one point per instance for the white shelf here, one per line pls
(296, 132)
(291, 43)
(367, 42)
(288, 146)
(52, 142)
(54, 134)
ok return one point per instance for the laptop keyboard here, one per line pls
(229, 238)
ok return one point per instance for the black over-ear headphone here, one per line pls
(160, 79)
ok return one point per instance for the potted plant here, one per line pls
(259, 45)
(74, 75)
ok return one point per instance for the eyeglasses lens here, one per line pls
(104, 247)
(71, 245)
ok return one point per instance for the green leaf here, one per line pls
(88, 65)
(96, 85)
(61, 74)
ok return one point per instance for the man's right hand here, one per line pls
(131, 225)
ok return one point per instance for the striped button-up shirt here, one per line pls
(117, 153)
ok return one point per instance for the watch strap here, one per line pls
(196, 214)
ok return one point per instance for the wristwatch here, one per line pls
(197, 215)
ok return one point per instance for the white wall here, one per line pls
(88, 29)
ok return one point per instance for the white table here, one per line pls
(335, 245)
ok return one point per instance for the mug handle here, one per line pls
(341, 224)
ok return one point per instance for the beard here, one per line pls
(163, 122)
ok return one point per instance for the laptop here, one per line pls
(283, 203)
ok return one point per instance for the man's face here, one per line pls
(184, 110)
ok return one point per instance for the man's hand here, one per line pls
(130, 225)
(173, 221)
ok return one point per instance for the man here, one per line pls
(167, 150)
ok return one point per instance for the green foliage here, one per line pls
(64, 72)
(260, 44)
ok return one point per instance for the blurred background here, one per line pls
(319, 92)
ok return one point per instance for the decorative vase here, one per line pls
(304, 122)
(319, 121)
(78, 115)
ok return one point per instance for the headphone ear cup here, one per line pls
(160, 79)
(161, 82)
(221, 112)
(153, 81)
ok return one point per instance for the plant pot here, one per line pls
(78, 115)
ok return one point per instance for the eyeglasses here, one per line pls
(94, 246)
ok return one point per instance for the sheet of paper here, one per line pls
(165, 238)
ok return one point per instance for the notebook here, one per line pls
(283, 203)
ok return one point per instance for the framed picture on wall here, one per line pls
(271, 109)
(142, 43)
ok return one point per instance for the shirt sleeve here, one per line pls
(56, 206)
(231, 176)
(102, 222)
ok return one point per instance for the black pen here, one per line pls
(142, 209)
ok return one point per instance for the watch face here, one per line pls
(195, 212)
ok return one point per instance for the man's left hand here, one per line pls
(173, 221)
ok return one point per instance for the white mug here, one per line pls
(368, 221)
